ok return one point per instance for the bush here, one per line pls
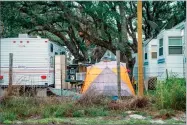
(171, 93)
(138, 102)
(92, 98)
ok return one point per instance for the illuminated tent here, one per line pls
(102, 79)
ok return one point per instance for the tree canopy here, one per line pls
(89, 28)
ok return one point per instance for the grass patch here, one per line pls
(86, 120)
(124, 114)
(95, 120)
(140, 113)
(172, 121)
(79, 113)
(96, 111)
(136, 121)
(7, 116)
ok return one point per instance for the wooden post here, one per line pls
(186, 47)
(186, 50)
(140, 54)
(10, 73)
(61, 73)
(118, 73)
(167, 74)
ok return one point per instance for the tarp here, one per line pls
(66, 93)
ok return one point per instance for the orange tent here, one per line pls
(102, 77)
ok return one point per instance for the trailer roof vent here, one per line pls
(23, 36)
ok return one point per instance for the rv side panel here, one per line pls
(30, 61)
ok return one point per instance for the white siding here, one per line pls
(56, 49)
(173, 63)
(151, 69)
(30, 60)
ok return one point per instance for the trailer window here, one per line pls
(51, 62)
(154, 51)
(175, 45)
(62, 53)
(51, 47)
(145, 55)
(161, 47)
(56, 53)
(72, 71)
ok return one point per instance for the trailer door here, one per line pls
(60, 72)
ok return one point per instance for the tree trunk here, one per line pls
(129, 63)
(123, 34)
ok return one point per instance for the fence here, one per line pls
(105, 82)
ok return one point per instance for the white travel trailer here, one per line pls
(182, 27)
(171, 53)
(150, 59)
(33, 61)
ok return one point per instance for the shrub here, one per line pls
(93, 98)
(138, 102)
(171, 93)
(116, 105)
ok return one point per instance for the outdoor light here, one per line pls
(1, 77)
(43, 77)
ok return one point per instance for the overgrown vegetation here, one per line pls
(168, 97)
(171, 94)
(17, 108)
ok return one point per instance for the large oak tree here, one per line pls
(88, 29)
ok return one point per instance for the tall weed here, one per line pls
(171, 93)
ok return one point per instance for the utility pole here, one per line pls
(140, 54)
(118, 73)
